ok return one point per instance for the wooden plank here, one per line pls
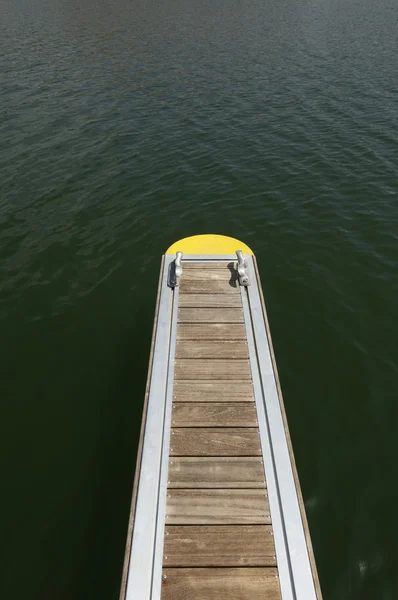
(213, 391)
(191, 441)
(212, 349)
(202, 266)
(206, 368)
(217, 507)
(209, 274)
(250, 583)
(212, 546)
(210, 315)
(211, 331)
(210, 300)
(217, 414)
(215, 286)
(216, 472)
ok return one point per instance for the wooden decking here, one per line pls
(204, 524)
(218, 541)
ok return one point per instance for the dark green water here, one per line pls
(127, 125)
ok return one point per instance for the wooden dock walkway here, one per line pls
(217, 511)
(218, 534)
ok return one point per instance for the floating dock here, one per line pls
(217, 511)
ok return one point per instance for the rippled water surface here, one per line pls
(127, 125)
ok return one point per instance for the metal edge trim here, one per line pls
(162, 500)
(130, 527)
(282, 557)
(288, 438)
(139, 581)
(303, 583)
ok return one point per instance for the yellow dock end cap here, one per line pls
(208, 244)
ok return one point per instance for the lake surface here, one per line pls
(125, 126)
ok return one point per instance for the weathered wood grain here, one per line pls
(192, 441)
(250, 583)
(217, 414)
(217, 507)
(215, 286)
(213, 391)
(212, 546)
(202, 266)
(212, 349)
(210, 300)
(204, 274)
(216, 472)
(211, 331)
(206, 368)
(210, 315)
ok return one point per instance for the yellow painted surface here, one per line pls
(208, 244)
